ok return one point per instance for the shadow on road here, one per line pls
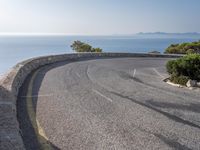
(193, 107)
(30, 134)
(170, 142)
(168, 115)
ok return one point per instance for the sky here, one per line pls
(98, 17)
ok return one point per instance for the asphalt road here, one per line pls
(119, 103)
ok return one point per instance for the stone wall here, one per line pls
(11, 82)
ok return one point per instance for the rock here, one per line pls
(191, 83)
(198, 84)
(154, 52)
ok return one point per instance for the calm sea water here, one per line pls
(14, 49)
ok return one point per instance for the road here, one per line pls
(119, 103)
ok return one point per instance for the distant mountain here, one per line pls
(165, 33)
(195, 35)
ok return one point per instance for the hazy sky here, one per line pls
(99, 17)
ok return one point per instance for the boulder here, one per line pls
(154, 52)
(191, 83)
(198, 84)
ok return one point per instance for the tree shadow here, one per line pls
(28, 126)
(166, 114)
(193, 107)
(172, 143)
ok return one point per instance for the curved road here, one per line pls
(119, 103)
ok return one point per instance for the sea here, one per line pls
(14, 49)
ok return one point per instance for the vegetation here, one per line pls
(185, 68)
(182, 80)
(184, 48)
(79, 46)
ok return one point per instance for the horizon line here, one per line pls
(55, 34)
(65, 34)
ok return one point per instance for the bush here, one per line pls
(185, 67)
(98, 50)
(184, 48)
(171, 66)
(179, 79)
(79, 46)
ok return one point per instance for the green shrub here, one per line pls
(171, 66)
(97, 50)
(184, 48)
(179, 79)
(190, 51)
(187, 66)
